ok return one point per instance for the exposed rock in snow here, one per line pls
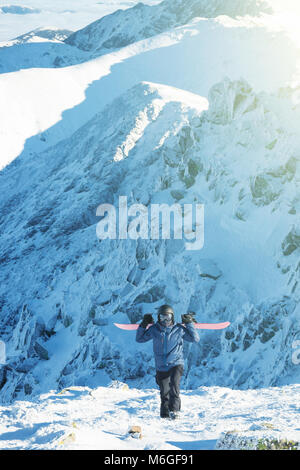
(18, 9)
(263, 440)
(142, 21)
(64, 98)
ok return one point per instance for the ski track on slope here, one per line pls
(100, 418)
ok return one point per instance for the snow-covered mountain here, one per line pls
(142, 21)
(71, 287)
(42, 47)
(112, 32)
(198, 113)
(52, 34)
(18, 10)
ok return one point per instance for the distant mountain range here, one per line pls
(223, 134)
(142, 21)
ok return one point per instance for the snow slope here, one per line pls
(72, 285)
(53, 34)
(84, 418)
(125, 27)
(34, 50)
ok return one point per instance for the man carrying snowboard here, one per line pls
(168, 339)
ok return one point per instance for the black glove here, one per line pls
(147, 319)
(188, 318)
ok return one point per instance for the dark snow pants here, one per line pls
(169, 383)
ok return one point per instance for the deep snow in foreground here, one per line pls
(85, 418)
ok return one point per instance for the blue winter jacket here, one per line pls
(168, 342)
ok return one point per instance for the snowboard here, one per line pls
(199, 326)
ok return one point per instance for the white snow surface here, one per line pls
(100, 418)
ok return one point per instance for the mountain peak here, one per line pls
(124, 27)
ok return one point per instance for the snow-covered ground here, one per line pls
(85, 418)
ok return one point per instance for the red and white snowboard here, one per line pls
(199, 326)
